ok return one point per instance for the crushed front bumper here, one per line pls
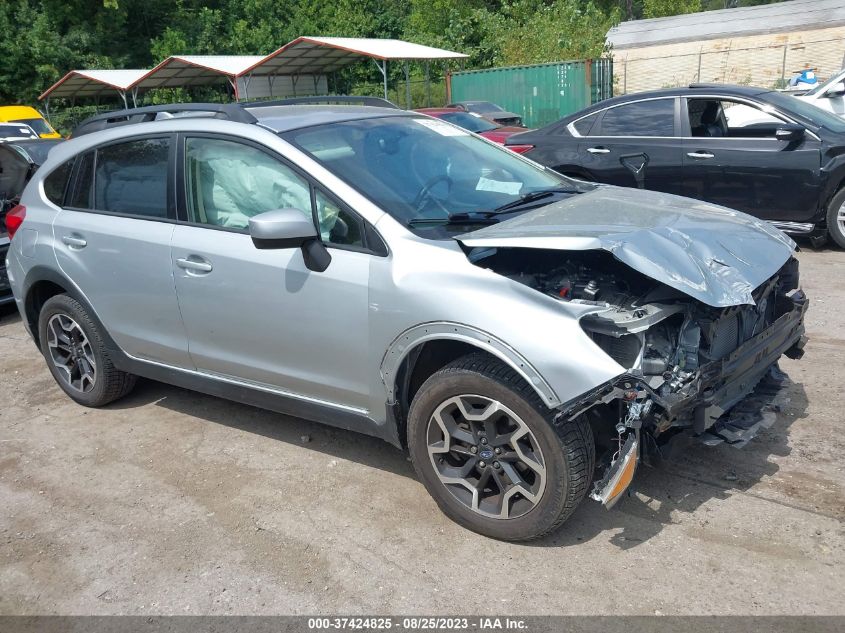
(724, 402)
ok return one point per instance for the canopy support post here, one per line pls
(427, 84)
(316, 79)
(408, 84)
(383, 69)
(293, 80)
(47, 107)
(135, 97)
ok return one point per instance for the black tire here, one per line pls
(568, 449)
(836, 230)
(109, 383)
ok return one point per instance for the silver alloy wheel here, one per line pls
(71, 353)
(840, 219)
(486, 456)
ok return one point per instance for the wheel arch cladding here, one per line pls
(424, 349)
(43, 283)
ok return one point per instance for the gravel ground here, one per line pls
(171, 502)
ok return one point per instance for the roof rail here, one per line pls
(231, 111)
(325, 100)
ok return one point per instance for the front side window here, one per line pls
(421, 169)
(723, 117)
(227, 183)
(655, 117)
(131, 178)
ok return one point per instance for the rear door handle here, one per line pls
(700, 155)
(74, 241)
(195, 264)
(598, 150)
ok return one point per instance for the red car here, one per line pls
(478, 124)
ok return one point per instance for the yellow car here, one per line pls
(30, 116)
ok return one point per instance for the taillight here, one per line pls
(14, 219)
(520, 149)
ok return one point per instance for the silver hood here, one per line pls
(713, 254)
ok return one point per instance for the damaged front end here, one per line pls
(687, 365)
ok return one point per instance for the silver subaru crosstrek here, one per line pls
(528, 338)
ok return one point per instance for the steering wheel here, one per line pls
(425, 193)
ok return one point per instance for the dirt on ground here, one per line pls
(172, 502)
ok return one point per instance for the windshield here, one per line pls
(483, 106)
(420, 168)
(39, 125)
(808, 111)
(16, 131)
(469, 121)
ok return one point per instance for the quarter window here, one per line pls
(227, 183)
(337, 225)
(644, 118)
(83, 193)
(583, 126)
(56, 183)
(131, 178)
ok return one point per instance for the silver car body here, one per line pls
(260, 323)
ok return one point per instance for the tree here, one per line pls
(661, 8)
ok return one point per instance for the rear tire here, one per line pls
(477, 404)
(836, 218)
(76, 355)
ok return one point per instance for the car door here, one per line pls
(732, 158)
(635, 144)
(261, 316)
(113, 240)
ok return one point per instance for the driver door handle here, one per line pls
(700, 155)
(598, 150)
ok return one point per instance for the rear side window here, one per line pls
(583, 126)
(131, 178)
(55, 184)
(82, 196)
(644, 118)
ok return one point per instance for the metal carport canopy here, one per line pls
(321, 55)
(93, 83)
(179, 71)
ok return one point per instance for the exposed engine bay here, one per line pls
(686, 364)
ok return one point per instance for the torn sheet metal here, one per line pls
(711, 253)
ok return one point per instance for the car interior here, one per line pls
(707, 118)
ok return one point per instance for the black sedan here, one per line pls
(763, 152)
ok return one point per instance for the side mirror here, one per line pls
(290, 228)
(836, 90)
(789, 132)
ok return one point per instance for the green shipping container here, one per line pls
(541, 93)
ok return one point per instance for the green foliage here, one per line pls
(661, 8)
(44, 39)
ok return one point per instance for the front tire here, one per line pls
(489, 452)
(836, 218)
(76, 355)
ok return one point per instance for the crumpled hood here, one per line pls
(713, 254)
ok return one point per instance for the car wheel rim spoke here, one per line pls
(486, 456)
(840, 218)
(71, 353)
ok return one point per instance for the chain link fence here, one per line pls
(770, 66)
